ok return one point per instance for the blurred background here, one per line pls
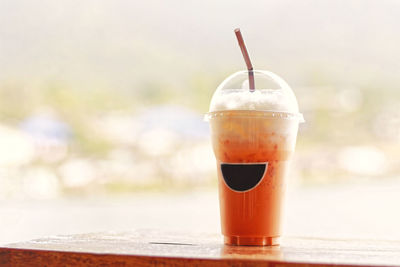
(102, 104)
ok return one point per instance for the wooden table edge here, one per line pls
(41, 257)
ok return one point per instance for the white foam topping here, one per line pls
(277, 100)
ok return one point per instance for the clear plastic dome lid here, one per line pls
(271, 94)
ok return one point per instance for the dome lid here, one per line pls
(271, 94)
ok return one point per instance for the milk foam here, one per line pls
(261, 100)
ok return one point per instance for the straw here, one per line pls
(246, 59)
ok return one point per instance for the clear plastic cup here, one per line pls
(253, 137)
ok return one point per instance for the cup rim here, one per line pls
(256, 113)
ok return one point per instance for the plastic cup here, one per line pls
(253, 137)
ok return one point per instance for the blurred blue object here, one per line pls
(39, 126)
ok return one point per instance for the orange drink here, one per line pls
(253, 149)
(253, 133)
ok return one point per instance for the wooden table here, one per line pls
(151, 247)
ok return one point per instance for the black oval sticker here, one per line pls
(243, 176)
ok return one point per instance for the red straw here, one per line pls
(246, 59)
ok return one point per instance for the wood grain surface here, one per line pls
(152, 247)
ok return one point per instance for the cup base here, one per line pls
(252, 241)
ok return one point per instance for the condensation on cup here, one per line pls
(253, 136)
